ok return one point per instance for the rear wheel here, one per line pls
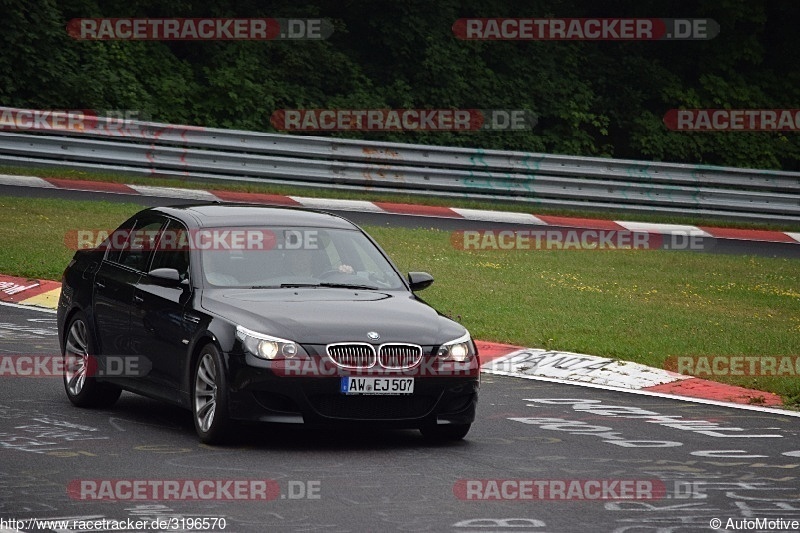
(446, 432)
(80, 366)
(210, 398)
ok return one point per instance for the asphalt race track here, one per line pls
(710, 244)
(528, 464)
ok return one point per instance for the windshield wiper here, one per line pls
(316, 285)
(282, 286)
(348, 286)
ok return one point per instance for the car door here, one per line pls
(113, 295)
(112, 290)
(161, 325)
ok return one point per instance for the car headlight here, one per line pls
(266, 346)
(458, 350)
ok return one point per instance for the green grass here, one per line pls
(378, 195)
(641, 306)
(32, 232)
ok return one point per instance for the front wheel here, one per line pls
(445, 433)
(210, 398)
(80, 364)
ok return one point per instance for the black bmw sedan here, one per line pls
(261, 314)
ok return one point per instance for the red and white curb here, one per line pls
(612, 374)
(507, 360)
(41, 293)
(403, 209)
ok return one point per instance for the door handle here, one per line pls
(99, 284)
(137, 299)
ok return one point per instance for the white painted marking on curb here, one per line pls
(499, 216)
(651, 227)
(340, 205)
(795, 236)
(689, 399)
(583, 368)
(174, 192)
(25, 181)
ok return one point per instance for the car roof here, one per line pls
(237, 215)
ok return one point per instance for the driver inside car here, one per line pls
(312, 263)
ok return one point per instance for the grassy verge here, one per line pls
(641, 306)
(377, 195)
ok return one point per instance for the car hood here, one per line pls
(326, 315)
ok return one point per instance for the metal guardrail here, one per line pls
(153, 149)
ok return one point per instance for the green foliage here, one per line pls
(591, 98)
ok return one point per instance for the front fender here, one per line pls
(215, 330)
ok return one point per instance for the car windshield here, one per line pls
(275, 257)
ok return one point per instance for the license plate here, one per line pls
(354, 385)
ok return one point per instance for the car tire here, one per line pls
(445, 433)
(82, 388)
(210, 397)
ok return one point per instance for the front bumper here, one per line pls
(260, 392)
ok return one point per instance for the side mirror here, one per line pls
(165, 276)
(419, 280)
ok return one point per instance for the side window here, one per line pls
(141, 243)
(173, 249)
(117, 241)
